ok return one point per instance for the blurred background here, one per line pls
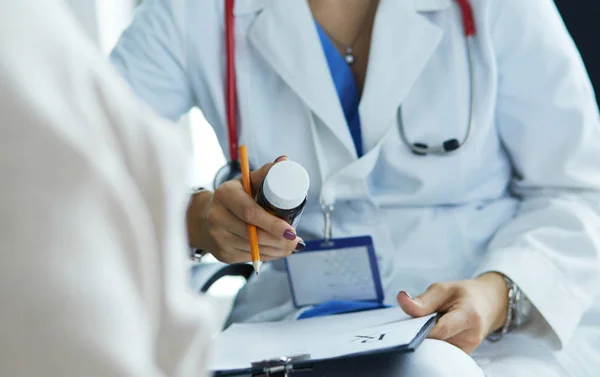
(581, 18)
(104, 21)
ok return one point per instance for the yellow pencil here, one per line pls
(252, 234)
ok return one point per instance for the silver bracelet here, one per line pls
(498, 335)
(195, 255)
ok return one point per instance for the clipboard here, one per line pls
(298, 364)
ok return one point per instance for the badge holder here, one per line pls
(344, 272)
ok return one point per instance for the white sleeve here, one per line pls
(71, 305)
(549, 124)
(152, 57)
(92, 240)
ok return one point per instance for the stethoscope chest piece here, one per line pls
(447, 147)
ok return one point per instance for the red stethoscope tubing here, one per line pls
(467, 16)
(230, 84)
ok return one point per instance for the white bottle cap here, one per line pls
(286, 185)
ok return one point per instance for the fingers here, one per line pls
(221, 217)
(435, 299)
(231, 233)
(232, 196)
(277, 228)
(242, 244)
(461, 327)
(450, 325)
(466, 319)
(267, 239)
(409, 305)
(239, 256)
(231, 248)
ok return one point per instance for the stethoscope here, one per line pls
(232, 169)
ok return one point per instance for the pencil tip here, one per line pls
(256, 265)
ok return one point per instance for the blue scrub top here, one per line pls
(346, 88)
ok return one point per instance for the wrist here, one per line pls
(497, 293)
(197, 228)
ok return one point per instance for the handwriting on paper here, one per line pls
(368, 338)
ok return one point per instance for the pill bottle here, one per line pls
(283, 191)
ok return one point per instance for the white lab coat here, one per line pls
(92, 199)
(522, 197)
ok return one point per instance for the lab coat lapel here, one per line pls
(285, 35)
(403, 41)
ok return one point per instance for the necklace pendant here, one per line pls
(349, 56)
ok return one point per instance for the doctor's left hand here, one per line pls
(473, 309)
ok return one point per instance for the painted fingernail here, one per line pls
(300, 246)
(279, 158)
(289, 235)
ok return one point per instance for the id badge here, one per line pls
(342, 269)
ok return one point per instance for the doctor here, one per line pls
(463, 136)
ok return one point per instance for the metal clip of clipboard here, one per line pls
(280, 367)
